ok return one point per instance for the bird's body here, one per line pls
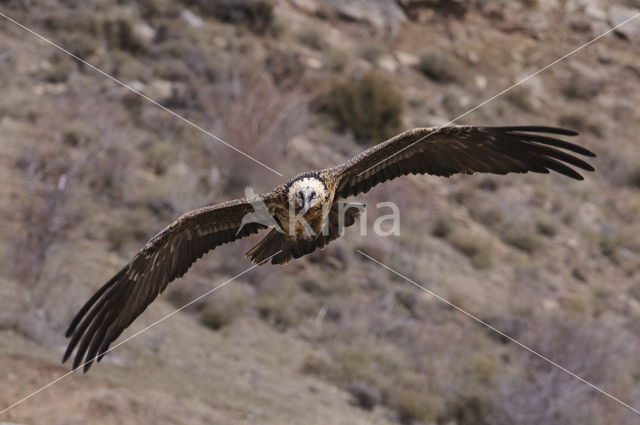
(306, 213)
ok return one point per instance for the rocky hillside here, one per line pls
(91, 170)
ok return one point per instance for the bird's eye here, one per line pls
(314, 196)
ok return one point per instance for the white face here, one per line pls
(307, 192)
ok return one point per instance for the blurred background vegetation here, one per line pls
(90, 171)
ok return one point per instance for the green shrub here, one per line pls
(313, 364)
(61, 66)
(371, 52)
(547, 227)
(133, 226)
(311, 37)
(523, 97)
(467, 410)
(336, 60)
(581, 86)
(523, 239)
(73, 132)
(215, 315)
(583, 121)
(477, 247)
(414, 405)
(80, 44)
(633, 178)
(171, 70)
(609, 245)
(284, 66)
(368, 362)
(257, 15)
(159, 156)
(408, 299)
(488, 214)
(441, 67)
(119, 35)
(442, 227)
(371, 108)
(277, 309)
(365, 396)
(314, 286)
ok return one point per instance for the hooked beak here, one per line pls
(306, 201)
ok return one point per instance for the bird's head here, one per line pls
(306, 193)
(306, 198)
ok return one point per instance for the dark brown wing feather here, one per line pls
(461, 149)
(164, 258)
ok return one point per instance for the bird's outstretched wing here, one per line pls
(164, 258)
(461, 149)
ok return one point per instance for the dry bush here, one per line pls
(62, 159)
(259, 118)
(51, 175)
(542, 393)
(371, 107)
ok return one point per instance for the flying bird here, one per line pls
(315, 197)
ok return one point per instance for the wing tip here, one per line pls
(542, 129)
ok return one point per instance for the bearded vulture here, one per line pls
(312, 196)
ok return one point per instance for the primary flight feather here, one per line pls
(313, 196)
